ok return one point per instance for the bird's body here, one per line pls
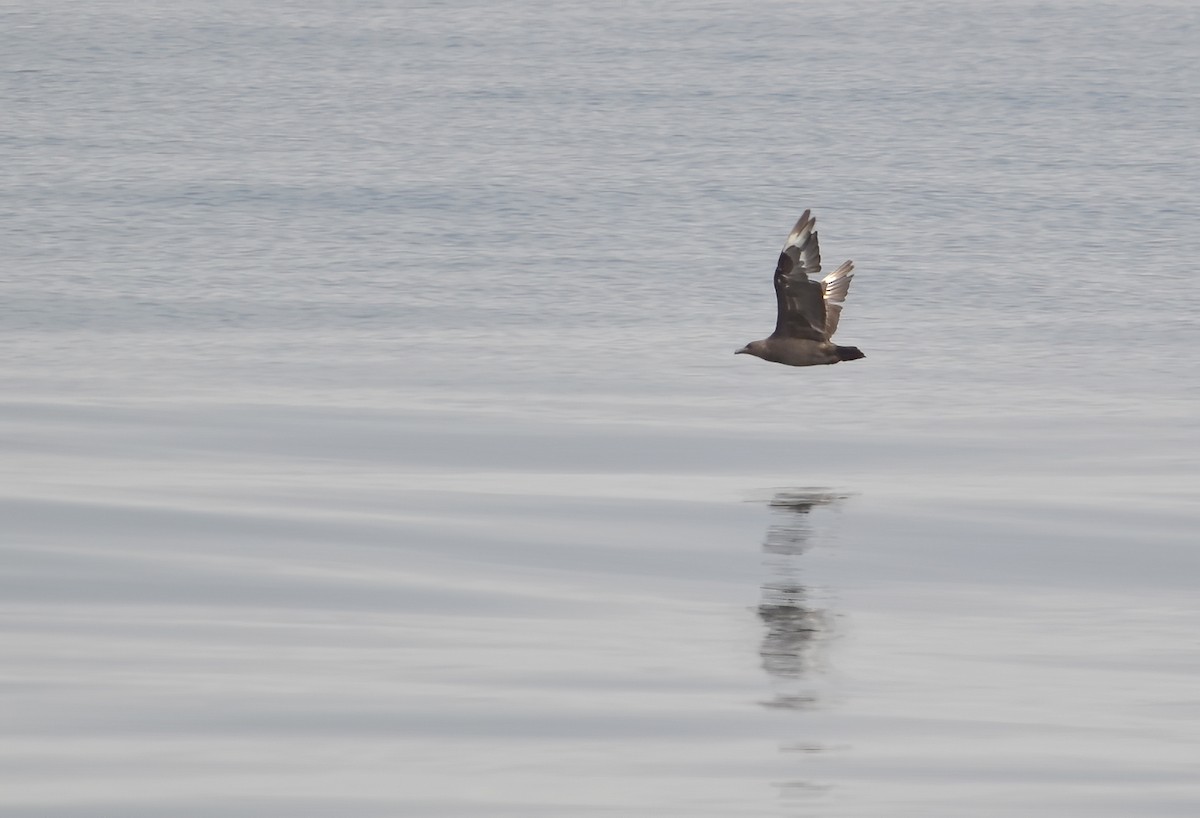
(808, 310)
(799, 351)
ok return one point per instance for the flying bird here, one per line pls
(808, 309)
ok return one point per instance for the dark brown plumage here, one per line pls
(807, 310)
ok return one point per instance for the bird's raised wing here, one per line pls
(833, 290)
(801, 300)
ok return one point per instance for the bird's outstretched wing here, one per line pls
(833, 289)
(808, 309)
(801, 300)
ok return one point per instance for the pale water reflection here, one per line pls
(795, 625)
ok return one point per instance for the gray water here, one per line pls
(373, 445)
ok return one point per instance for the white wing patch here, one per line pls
(834, 288)
(803, 247)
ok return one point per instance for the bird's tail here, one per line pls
(849, 353)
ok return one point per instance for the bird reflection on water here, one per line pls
(794, 626)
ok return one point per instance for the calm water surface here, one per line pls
(373, 445)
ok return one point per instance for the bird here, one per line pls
(808, 309)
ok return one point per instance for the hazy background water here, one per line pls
(373, 443)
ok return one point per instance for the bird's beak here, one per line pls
(740, 351)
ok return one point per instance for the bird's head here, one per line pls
(755, 348)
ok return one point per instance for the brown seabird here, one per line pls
(808, 309)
